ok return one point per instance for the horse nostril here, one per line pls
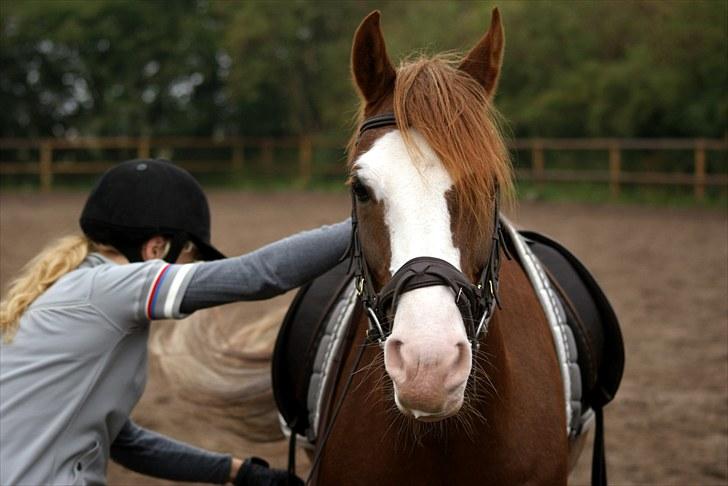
(393, 354)
(461, 366)
(464, 356)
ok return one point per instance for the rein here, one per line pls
(476, 302)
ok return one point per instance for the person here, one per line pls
(75, 324)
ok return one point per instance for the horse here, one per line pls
(450, 375)
(447, 367)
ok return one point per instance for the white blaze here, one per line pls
(415, 208)
(418, 219)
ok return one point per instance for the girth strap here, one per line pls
(599, 460)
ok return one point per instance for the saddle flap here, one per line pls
(295, 349)
(590, 315)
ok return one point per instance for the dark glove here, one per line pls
(256, 472)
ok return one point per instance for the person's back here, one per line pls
(88, 355)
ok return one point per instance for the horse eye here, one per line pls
(360, 190)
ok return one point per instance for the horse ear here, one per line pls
(483, 62)
(370, 65)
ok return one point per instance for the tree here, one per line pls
(608, 68)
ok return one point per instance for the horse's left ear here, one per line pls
(373, 71)
(483, 62)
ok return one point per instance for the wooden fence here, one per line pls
(46, 165)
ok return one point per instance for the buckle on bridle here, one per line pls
(481, 324)
(375, 331)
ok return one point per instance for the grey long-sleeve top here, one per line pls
(77, 365)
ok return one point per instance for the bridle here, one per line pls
(476, 302)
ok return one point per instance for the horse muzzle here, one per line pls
(428, 355)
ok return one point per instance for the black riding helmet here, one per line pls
(138, 199)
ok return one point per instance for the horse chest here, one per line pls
(374, 445)
(506, 442)
(524, 375)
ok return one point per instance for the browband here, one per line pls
(378, 121)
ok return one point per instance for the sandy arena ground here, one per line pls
(665, 270)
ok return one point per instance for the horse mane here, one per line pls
(453, 113)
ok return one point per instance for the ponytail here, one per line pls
(56, 260)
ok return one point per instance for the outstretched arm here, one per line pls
(159, 290)
(269, 271)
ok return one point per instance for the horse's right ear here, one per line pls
(370, 64)
(483, 62)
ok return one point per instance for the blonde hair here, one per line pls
(56, 260)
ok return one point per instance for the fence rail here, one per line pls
(46, 166)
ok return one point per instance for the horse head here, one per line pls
(427, 167)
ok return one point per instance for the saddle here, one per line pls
(307, 343)
(590, 317)
(321, 313)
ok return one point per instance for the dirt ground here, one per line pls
(665, 270)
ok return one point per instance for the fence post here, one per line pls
(266, 156)
(238, 157)
(615, 166)
(305, 154)
(143, 150)
(699, 184)
(46, 165)
(537, 162)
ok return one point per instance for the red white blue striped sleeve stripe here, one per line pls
(165, 293)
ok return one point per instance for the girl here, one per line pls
(75, 326)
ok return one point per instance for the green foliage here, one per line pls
(108, 68)
(645, 69)
(123, 67)
(291, 69)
